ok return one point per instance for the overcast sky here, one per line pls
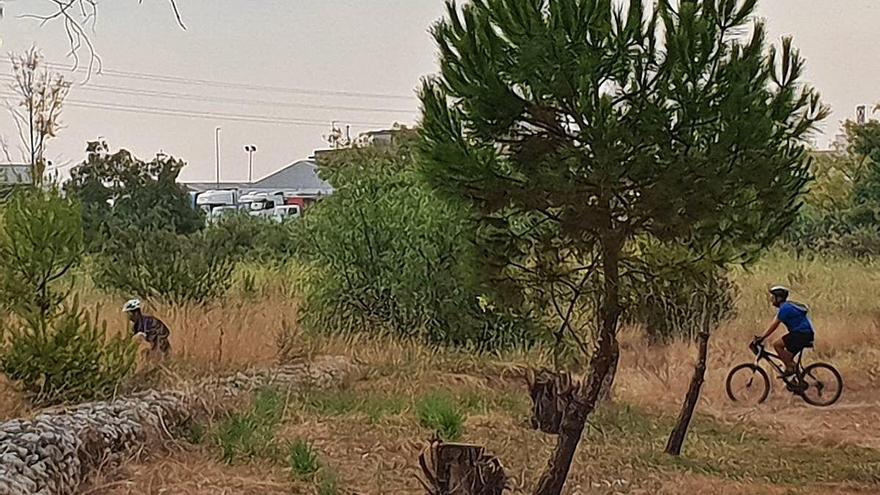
(363, 57)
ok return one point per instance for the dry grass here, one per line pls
(367, 431)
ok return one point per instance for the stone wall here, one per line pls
(54, 452)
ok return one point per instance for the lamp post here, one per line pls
(217, 152)
(250, 149)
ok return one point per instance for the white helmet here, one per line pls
(780, 291)
(131, 305)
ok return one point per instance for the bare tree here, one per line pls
(78, 18)
(36, 107)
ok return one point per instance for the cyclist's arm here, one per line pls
(773, 327)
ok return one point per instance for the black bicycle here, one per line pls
(819, 384)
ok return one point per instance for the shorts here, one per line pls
(795, 342)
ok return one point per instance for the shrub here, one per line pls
(248, 237)
(441, 413)
(66, 358)
(165, 265)
(388, 255)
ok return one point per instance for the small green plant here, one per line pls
(303, 460)
(252, 435)
(328, 483)
(194, 432)
(342, 402)
(440, 412)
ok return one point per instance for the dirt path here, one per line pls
(851, 421)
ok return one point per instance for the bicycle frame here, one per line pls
(761, 353)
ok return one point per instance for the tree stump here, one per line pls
(550, 392)
(460, 469)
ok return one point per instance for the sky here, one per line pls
(276, 73)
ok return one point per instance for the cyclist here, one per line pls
(149, 327)
(800, 329)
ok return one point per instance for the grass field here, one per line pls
(365, 435)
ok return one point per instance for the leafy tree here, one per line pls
(864, 141)
(842, 210)
(118, 190)
(576, 127)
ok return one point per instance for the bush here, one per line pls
(248, 237)
(388, 255)
(66, 358)
(165, 265)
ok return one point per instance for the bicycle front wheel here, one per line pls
(823, 384)
(748, 384)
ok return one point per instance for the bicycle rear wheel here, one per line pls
(748, 384)
(824, 384)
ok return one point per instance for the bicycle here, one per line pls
(805, 382)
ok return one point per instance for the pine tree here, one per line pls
(576, 127)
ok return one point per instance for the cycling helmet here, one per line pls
(779, 291)
(132, 305)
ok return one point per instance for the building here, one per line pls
(301, 176)
(12, 175)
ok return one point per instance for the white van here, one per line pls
(285, 212)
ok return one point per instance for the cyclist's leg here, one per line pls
(783, 349)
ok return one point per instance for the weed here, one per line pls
(344, 401)
(440, 412)
(328, 484)
(252, 435)
(194, 433)
(303, 460)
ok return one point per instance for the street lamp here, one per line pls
(217, 152)
(250, 149)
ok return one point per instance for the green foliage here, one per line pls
(252, 435)
(166, 265)
(250, 237)
(440, 412)
(671, 297)
(328, 483)
(388, 255)
(303, 460)
(574, 128)
(66, 358)
(842, 214)
(345, 401)
(120, 191)
(41, 240)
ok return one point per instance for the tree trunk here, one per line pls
(582, 404)
(606, 392)
(460, 469)
(676, 438)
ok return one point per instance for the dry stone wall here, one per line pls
(54, 452)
